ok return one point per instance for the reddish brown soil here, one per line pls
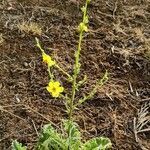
(113, 43)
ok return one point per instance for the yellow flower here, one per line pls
(54, 88)
(47, 59)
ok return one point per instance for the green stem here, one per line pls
(85, 12)
(38, 45)
(50, 74)
(76, 67)
(63, 71)
(99, 84)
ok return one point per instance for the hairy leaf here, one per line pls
(99, 143)
(51, 140)
(73, 135)
(17, 146)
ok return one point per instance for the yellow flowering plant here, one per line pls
(55, 88)
(70, 138)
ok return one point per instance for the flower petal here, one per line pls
(51, 83)
(56, 84)
(51, 63)
(61, 89)
(49, 89)
(47, 59)
(55, 94)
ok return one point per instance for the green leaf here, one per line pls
(73, 139)
(99, 143)
(82, 81)
(17, 146)
(83, 9)
(51, 140)
(104, 79)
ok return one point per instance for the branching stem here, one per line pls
(77, 65)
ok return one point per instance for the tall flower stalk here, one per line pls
(55, 88)
(82, 28)
(70, 138)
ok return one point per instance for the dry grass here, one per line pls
(30, 27)
(141, 123)
(1, 39)
(146, 41)
(139, 34)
